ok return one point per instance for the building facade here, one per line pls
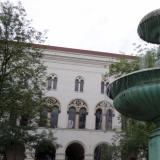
(82, 122)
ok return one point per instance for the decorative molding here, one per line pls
(75, 70)
(78, 104)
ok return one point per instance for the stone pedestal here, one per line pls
(154, 145)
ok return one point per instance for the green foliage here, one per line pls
(132, 141)
(125, 66)
(22, 76)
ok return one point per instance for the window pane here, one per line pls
(102, 87)
(98, 119)
(13, 117)
(81, 85)
(107, 84)
(101, 152)
(109, 120)
(82, 118)
(55, 83)
(76, 85)
(71, 118)
(24, 120)
(49, 83)
(43, 118)
(54, 117)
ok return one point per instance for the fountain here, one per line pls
(137, 95)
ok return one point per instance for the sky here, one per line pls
(99, 25)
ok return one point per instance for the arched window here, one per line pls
(55, 83)
(52, 81)
(71, 117)
(82, 118)
(98, 125)
(43, 118)
(81, 85)
(102, 152)
(49, 82)
(102, 87)
(107, 83)
(54, 117)
(76, 85)
(109, 119)
(24, 120)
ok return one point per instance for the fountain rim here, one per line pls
(112, 92)
(142, 70)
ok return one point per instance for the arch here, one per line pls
(50, 102)
(52, 81)
(99, 151)
(79, 84)
(79, 78)
(107, 143)
(104, 106)
(76, 141)
(78, 104)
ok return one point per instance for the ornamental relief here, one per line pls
(78, 104)
(104, 106)
(51, 102)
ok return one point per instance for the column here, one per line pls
(60, 156)
(89, 157)
(77, 121)
(103, 121)
(49, 119)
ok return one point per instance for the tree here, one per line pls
(132, 141)
(22, 76)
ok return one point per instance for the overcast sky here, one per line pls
(100, 25)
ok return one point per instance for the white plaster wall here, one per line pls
(67, 69)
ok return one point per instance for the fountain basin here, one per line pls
(137, 95)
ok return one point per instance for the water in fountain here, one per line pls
(143, 61)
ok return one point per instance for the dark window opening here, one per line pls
(43, 118)
(54, 117)
(102, 87)
(13, 117)
(82, 118)
(49, 83)
(98, 119)
(81, 85)
(71, 117)
(109, 120)
(107, 84)
(55, 83)
(24, 120)
(102, 152)
(76, 85)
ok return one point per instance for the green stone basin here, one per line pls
(137, 95)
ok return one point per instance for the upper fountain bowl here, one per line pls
(137, 95)
(149, 27)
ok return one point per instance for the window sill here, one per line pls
(51, 89)
(78, 92)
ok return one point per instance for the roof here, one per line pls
(97, 53)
